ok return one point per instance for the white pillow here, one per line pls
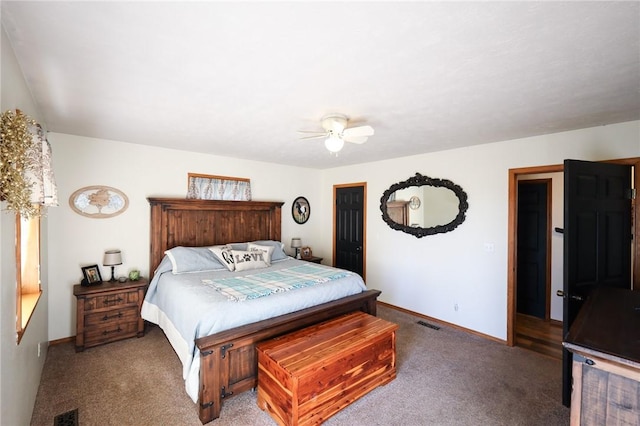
(245, 260)
(267, 250)
(192, 259)
(278, 249)
(224, 255)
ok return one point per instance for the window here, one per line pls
(28, 269)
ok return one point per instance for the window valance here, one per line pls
(40, 170)
(211, 187)
(26, 172)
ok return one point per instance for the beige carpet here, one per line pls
(445, 377)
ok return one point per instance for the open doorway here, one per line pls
(515, 175)
(538, 323)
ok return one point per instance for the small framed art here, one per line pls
(91, 275)
(305, 253)
(300, 210)
(98, 201)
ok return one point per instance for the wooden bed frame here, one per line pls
(228, 360)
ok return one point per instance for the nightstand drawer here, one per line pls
(111, 316)
(110, 332)
(111, 300)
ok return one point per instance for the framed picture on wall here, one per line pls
(300, 210)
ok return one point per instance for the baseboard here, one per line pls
(555, 323)
(388, 305)
(65, 340)
(447, 324)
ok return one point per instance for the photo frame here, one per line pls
(300, 210)
(91, 275)
(305, 253)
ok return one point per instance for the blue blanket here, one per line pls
(250, 287)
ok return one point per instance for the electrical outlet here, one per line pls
(489, 247)
(455, 307)
(39, 352)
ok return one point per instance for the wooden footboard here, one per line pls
(228, 360)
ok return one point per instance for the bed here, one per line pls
(226, 358)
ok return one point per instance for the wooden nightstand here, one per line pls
(108, 312)
(314, 259)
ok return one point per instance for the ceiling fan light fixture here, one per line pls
(334, 143)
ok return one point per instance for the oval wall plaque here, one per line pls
(98, 201)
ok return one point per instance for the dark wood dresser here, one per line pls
(605, 341)
(108, 312)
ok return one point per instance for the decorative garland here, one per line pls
(15, 142)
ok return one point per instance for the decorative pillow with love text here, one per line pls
(245, 260)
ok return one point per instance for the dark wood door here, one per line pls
(597, 238)
(533, 235)
(349, 226)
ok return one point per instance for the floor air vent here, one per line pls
(70, 418)
(426, 324)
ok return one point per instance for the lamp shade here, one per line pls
(112, 257)
(296, 243)
(334, 143)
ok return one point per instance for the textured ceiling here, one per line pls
(239, 79)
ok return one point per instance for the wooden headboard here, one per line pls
(195, 223)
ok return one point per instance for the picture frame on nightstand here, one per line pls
(305, 253)
(91, 275)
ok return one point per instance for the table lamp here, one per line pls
(296, 243)
(112, 258)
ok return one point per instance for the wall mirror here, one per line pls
(423, 206)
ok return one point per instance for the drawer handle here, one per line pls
(107, 317)
(107, 301)
(104, 333)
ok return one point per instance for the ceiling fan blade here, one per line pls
(317, 132)
(358, 131)
(356, 139)
(313, 137)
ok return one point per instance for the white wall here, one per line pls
(432, 274)
(20, 366)
(428, 275)
(141, 171)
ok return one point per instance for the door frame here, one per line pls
(512, 232)
(364, 224)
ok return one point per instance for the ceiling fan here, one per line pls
(337, 133)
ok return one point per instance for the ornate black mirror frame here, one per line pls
(420, 180)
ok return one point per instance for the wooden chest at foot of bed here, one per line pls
(309, 375)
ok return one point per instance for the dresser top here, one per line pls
(608, 323)
(80, 290)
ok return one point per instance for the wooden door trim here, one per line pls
(512, 227)
(364, 223)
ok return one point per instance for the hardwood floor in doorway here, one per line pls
(539, 335)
